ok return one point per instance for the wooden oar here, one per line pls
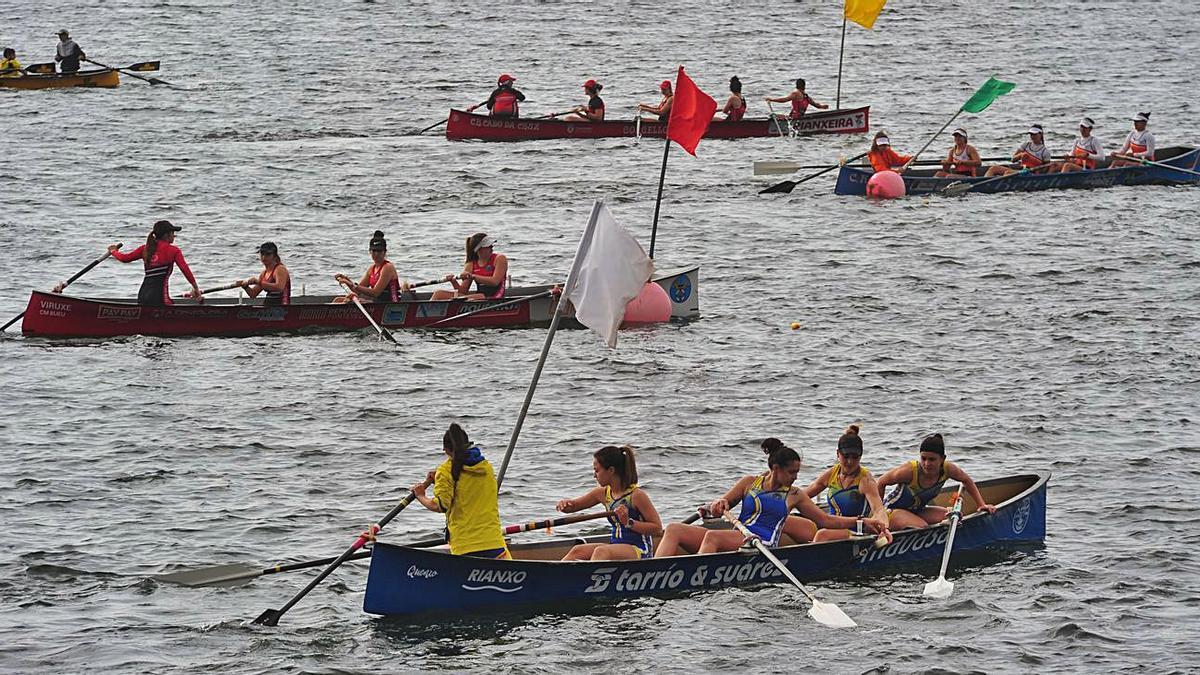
(770, 167)
(556, 522)
(789, 185)
(553, 115)
(1154, 163)
(271, 616)
(492, 308)
(940, 588)
(59, 288)
(151, 80)
(226, 287)
(383, 332)
(432, 126)
(825, 613)
(775, 120)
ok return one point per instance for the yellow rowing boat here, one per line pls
(104, 77)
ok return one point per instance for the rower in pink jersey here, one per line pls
(799, 99)
(486, 268)
(159, 255)
(379, 283)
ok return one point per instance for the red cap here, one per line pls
(666, 84)
(589, 84)
(506, 78)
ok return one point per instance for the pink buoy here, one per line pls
(652, 305)
(886, 185)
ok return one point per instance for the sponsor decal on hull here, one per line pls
(118, 313)
(1020, 517)
(263, 313)
(53, 308)
(904, 545)
(681, 289)
(631, 581)
(504, 581)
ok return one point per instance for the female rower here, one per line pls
(488, 269)
(1033, 155)
(799, 99)
(735, 105)
(920, 483)
(594, 110)
(1088, 151)
(9, 65)
(380, 282)
(851, 489)
(1139, 143)
(505, 99)
(274, 282)
(963, 159)
(636, 519)
(159, 256)
(464, 488)
(883, 157)
(663, 109)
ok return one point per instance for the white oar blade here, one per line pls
(939, 588)
(222, 575)
(770, 168)
(829, 614)
(957, 188)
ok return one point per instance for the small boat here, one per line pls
(104, 77)
(62, 316)
(405, 580)
(470, 126)
(852, 180)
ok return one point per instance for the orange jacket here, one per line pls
(885, 158)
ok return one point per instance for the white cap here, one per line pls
(485, 242)
(1142, 117)
(1035, 129)
(961, 132)
(1087, 122)
(882, 140)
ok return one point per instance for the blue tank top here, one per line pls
(764, 512)
(912, 496)
(846, 500)
(622, 535)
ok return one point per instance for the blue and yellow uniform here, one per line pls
(764, 512)
(622, 535)
(913, 497)
(847, 500)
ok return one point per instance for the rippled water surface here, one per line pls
(1052, 332)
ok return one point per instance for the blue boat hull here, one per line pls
(853, 180)
(405, 580)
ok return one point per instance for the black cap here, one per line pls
(934, 443)
(163, 227)
(268, 248)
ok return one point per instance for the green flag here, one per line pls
(990, 91)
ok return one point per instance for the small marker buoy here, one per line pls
(795, 325)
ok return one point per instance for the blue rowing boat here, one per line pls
(852, 180)
(405, 580)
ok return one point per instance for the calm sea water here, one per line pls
(1050, 332)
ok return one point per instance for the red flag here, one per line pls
(691, 113)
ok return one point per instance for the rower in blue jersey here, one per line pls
(920, 482)
(635, 521)
(851, 490)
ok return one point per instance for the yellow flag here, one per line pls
(864, 12)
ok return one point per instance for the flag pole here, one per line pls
(662, 176)
(585, 242)
(931, 140)
(841, 53)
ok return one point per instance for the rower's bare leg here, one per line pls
(800, 529)
(826, 534)
(581, 552)
(679, 539)
(1068, 167)
(616, 552)
(442, 294)
(999, 171)
(716, 541)
(901, 519)
(934, 514)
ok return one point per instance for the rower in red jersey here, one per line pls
(799, 99)
(505, 99)
(883, 158)
(663, 110)
(379, 283)
(735, 105)
(159, 255)
(275, 282)
(485, 267)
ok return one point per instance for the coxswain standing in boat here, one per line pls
(735, 106)
(662, 111)
(962, 161)
(379, 283)
(635, 521)
(1139, 143)
(851, 490)
(1088, 151)
(68, 54)
(9, 65)
(274, 281)
(883, 158)
(799, 99)
(920, 482)
(159, 255)
(1033, 155)
(486, 268)
(505, 100)
(594, 110)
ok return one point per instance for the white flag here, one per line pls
(613, 271)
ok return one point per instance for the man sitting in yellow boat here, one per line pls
(9, 65)
(68, 53)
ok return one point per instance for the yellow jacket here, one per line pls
(471, 507)
(10, 68)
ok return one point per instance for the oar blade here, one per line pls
(784, 187)
(939, 589)
(144, 66)
(771, 168)
(956, 189)
(829, 614)
(269, 618)
(221, 575)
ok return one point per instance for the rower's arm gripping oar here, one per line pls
(59, 288)
(556, 522)
(383, 332)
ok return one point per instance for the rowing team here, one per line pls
(67, 53)
(484, 268)
(963, 161)
(505, 101)
(464, 488)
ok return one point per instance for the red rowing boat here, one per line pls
(469, 126)
(56, 315)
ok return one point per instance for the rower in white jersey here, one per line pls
(1088, 151)
(1139, 144)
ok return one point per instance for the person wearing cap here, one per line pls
(920, 482)
(274, 281)
(1139, 144)
(883, 157)
(735, 105)
(594, 110)
(380, 283)
(1088, 151)
(9, 65)
(962, 161)
(850, 489)
(68, 53)
(486, 268)
(799, 99)
(159, 256)
(1033, 155)
(663, 109)
(505, 99)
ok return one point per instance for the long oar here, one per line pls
(551, 116)
(776, 121)
(492, 308)
(825, 613)
(271, 616)
(556, 522)
(789, 185)
(771, 167)
(940, 588)
(431, 127)
(59, 288)
(383, 332)
(1154, 163)
(151, 80)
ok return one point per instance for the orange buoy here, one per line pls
(886, 185)
(652, 305)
